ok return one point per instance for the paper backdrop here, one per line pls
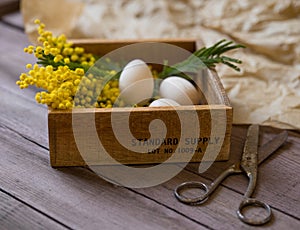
(266, 91)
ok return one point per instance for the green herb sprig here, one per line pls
(204, 57)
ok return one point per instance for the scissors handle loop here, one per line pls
(253, 221)
(190, 185)
(208, 189)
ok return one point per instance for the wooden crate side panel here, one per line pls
(64, 151)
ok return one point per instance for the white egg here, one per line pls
(136, 82)
(180, 90)
(163, 102)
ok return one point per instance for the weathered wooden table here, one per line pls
(33, 195)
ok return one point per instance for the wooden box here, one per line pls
(87, 137)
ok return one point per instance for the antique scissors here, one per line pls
(248, 164)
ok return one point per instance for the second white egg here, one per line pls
(136, 82)
(180, 90)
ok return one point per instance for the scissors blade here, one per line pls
(250, 157)
(270, 147)
(250, 153)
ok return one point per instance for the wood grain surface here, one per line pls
(33, 195)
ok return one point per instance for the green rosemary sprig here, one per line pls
(204, 57)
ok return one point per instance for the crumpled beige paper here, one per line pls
(266, 91)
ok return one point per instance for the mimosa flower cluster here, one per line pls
(59, 71)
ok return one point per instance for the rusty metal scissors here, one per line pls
(248, 164)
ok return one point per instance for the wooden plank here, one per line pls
(14, 19)
(75, 196)
(16, 104)
(18, 114)
(13, 59)
(17, 215)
